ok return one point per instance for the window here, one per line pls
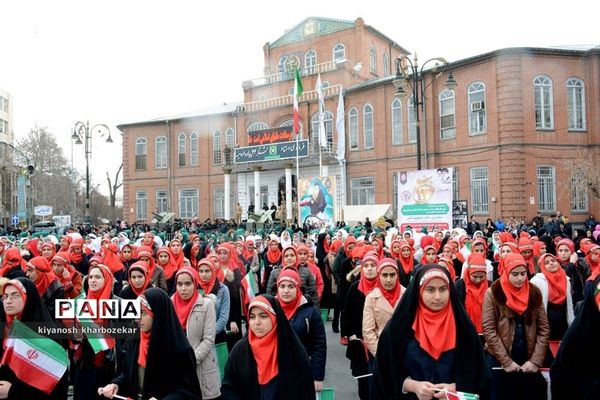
(181, 149)
(328, 122)
(544, 112)
(396, 121)
(3, 103)
(386, 64)
(395, 178)
(219, 203)
(373, 59)
(281, 67)
(353, 128)
(363, 191)
(576, 104)
(3, 126)
(141, 205)
(479, 190)
(160, 160)
(193, 148)
(447, 121)
(455, 184)
(188, 203)
(310, 62)
(412, 121)
(264, 196)
(368, 126)
(162, 201)
(141, 149)
(230, 138)
(217, 147)
(579, 194)
(476, 104)
(339, 52)
(546, 185)
(257, 126)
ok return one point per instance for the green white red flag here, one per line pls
(34, 359)
(460, 395)
(297, 93)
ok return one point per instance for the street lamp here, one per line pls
(82, 134)
(408, 72)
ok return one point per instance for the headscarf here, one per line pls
(32, 247)
(111, 259)
(434, 330)
(350, 240)
(287, 249)
(210, 285)
(46, 275)
(392, 254)
(183, 308)
(407, 263)
(524, 245)
(290, 275)
(105, 292)
(365, 285)
(176, 259)
(273, 255)
(133, 255)
(145, 251)
(393, 295)
(475, 293)
(11, 253)
(145, 336)
(594, 265)
(33, 311)
(517, 299)
(62, 257)
(142, 267)
(76, 244)
(565, 242)
(537, 248)
(502, 263)
(265, 348)
(50, 246)
(557, 281)
(169, 268)
(424, 257)
(380, 251)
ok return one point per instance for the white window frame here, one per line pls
(368, 127)
(362, 191)
(373, 59)
(141, 153)
(161, 152)
(479, 190)
(181, 150)
(257, 126)
(141, 205)
(353, 128)
(447, 109)
(576, 104)
(338, 52)
(328, 122)
(579, 195)
(396, 107)
(230, 138)
(219, 202)
(310, 61)
(188, 203)
(162, 200)
(194, 154)
(386, 64)
(477, 118)
(216, 147)
(411, 120)
(546, 188)
(543, 102)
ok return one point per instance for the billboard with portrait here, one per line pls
(317, 201)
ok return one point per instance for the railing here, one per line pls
(289, 75)
(307, 96)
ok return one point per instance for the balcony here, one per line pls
(288, 75)
(283, 101)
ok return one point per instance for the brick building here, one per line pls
(513, 119)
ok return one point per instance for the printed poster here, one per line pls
(316, 203)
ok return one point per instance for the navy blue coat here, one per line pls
(309, 328)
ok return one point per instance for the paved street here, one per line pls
(337, 374)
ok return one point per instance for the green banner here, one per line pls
(425, 209)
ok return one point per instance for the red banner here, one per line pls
(270, 136)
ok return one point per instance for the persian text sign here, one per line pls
(276, 151)
(270, 136)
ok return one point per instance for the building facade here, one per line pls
(8, 174)
(513, 122)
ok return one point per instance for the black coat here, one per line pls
(309, 328)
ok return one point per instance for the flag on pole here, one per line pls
(34, 359)
(460, 395)
(250, 287)
(322, 134)
(340, 127)
(297, 93)
(98, 342)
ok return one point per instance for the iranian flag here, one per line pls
(35, 359)
(297, 93)
(249, 289)
(460, 396)
(99, 342)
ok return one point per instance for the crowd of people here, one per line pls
(421, 314)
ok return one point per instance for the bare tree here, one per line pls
(113, 187)
(583, 173)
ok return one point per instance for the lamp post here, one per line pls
(82, 134)
(408, 72)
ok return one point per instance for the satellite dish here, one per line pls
(357, 67)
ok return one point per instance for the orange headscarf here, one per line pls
(12, 253)
(517, 299)
(392, 296)
(264, 348)
(365, 285)
(144, 336)
(407, 263)
(557, 281)
(52, 247)
(290, 275)
(183, 308)
(46, 275)
(142, 267)
(434, 330)
(170, 267)
(110, 257)
(207, 286)
(475, 293)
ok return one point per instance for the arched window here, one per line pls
(373, 59)
(576, 104)
(544, 104)
(353, 128)
(339, 52)
(281, 66)
(257, 126)
(412, 121)
(217, 147)
(328, 122)
(230, 138)
(193, 148)
(310, 62)
(160, 152)
(181, 149)
(396, 121)
(368, 126)
(141, 153)
(386, 64)
(476, 111)
(447, 114)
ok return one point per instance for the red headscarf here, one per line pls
(45, 274)
(52, 247)
(207, 286)
(392, 254)
(506, 237)
(290, 275)
(176, 259)
(145, 251)
(105, 292)
(183, 308)
(12, 253)
(170, 267)
(23, 292)
(365, 285)
(434, 330)
(424, 257)
(32, 247)
(407, 263)
(449, 265)
(142, 267)
(273, 255)
(264, 348)
(248, 253)
(62, 257)
(515, 250)
(380, 251)
(594, 265)
(557, 281)
(144, 336)
(517, 299)
(76, 244)
(392, 296)
(475, 293)
(288, 249)
(110, 257)
(335, 245)
(69, 240)
(565, 242)
(133, 255)
(349, 240)
(524, 245)
(537, 248)
(215, 260)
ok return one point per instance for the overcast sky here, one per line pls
(124, 61)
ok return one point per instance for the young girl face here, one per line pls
(57, 267)
(259, 321)
(396, 248)
(447, 252)
(289, 258)
(286, 291)
(436, 294)
(405, 252)
(388, 277)
(96, 279)
(205, 273)
(46, 251)
(564, 253)
(163, 258)
(126, 253)
(137, 279)
(518, 276)
(504, 250)
(551, 264)
(369, 270)
(185, 286)
(12, 301)
(430, 256)
(175, 247)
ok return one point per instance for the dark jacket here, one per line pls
(309, 327)
(54, 292)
